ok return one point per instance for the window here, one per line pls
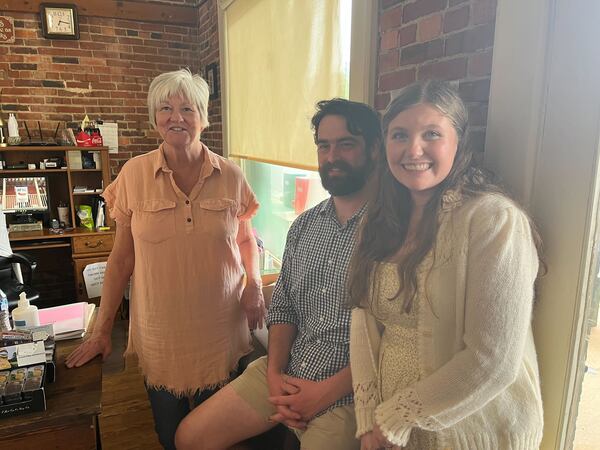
(279, 57)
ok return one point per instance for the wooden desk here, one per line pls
(73, 404)
(84, 247)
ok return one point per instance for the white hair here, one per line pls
(179, 82)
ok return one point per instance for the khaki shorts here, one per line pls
(333, 430)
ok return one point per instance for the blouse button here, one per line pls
(189, 219)
(187, 202)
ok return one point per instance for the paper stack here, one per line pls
(70, 321)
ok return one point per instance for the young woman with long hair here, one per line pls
(442, 285)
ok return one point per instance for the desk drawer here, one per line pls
(93, 244)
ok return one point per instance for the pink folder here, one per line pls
(65, 318)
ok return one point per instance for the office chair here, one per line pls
(11, 276)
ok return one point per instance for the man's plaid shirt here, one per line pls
(311, 293)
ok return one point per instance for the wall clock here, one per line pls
(59, 21)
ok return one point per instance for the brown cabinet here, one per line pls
(86, 246)
(99, 243)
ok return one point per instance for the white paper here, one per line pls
(31, 353)
(93, 275)
(110, 136)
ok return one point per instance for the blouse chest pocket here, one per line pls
(154, 221)
(218, 216)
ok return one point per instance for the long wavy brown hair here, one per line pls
(385, 228)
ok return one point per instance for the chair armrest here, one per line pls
(21, 258)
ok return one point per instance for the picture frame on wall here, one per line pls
(211, 75)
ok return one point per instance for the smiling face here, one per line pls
(421, 145)
(178, 122)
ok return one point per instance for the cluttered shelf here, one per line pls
(47, 233)
(28, 171)
(43, 148)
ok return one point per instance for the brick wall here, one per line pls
(209, 53)
(438, 39)
(104, 74)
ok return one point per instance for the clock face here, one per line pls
(60, 21)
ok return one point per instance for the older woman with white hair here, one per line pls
(185, 239)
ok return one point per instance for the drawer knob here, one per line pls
(94, 245)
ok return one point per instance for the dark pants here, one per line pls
(168, 410)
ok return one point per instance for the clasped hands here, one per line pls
(297, 400)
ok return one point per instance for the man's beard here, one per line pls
(350, 181)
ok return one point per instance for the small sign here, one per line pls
(110, 136)
(93, 275)
(7, 30)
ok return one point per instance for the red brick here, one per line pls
(470, 40)
(450, 69)
(391, 18)
(429, 28)
(475, 91)
(407, 35)
(479, 38)
(389, 40)
(456, 20)
(477, 140)
(480, 64)
(454, 43)
(478, 114)
(384, 4)
(396, 80)
(389, 61)
(422, 8)
(381, 101)
(484, 11)
(419, 53)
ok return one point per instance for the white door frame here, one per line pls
(542, 139)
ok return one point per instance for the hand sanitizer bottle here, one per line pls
(4, 316)
(25, 315)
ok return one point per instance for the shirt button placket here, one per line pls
(188, 212)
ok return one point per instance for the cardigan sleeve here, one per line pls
(364, 350)
(501, 268)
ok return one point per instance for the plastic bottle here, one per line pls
(25, 315)
(4, 315)
(13, 126)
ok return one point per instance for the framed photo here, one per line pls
(59, 21)
(211, 75)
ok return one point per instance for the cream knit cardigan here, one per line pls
(479, 385)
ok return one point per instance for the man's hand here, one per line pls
(375, 440)
(253, 304)
(278, 387)
(97, 344)
(304, 397)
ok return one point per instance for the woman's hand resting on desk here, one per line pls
(97, 344)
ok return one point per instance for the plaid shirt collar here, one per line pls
(328, 209)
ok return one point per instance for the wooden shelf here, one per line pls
(47, 234)
(51, 148)
(24, 248)
(87, 193)
(24, 171)
(85, 170)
